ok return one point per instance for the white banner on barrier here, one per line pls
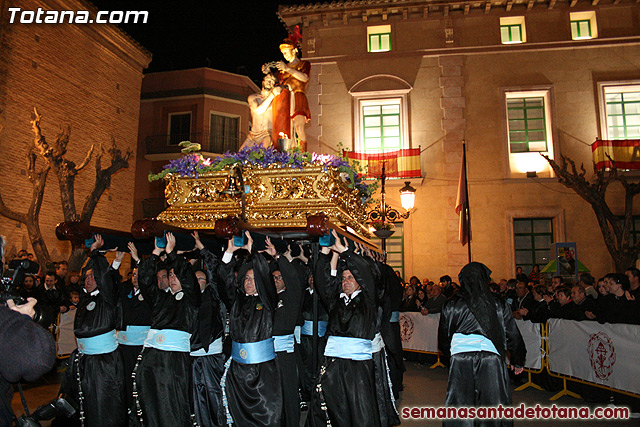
(419, 332)
(606, 354)
(533, 342)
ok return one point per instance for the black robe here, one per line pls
(207, 370)
(308, 377)
(384, 386)
(478, 378)
(133, 310)
(284, 322)
(253, 391)
(102, 380)
(348, 386)
(391, 330)
(163, 378)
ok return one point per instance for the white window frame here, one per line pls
(514, 20)
(378, 29)
(519, 164)
(605, 87)
(176, 113)
(584, 16)
(380, 98)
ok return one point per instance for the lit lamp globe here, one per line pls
(408, 196)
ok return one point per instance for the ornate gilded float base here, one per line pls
(277, 198)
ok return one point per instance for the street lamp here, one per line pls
(407, 196)
(384, 212)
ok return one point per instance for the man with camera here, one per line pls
(33, 350)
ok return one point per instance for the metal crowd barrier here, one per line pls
(605, 356)
(601, 350)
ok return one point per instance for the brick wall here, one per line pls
(84, 76)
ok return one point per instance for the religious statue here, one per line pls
(293, 76)
(261, 114)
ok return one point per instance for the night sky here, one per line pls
(236, 36)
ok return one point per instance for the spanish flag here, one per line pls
(398, 164)
(624, 152)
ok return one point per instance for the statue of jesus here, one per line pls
(261, 114)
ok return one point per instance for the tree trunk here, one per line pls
(77, 258)
(65, 171)
(37, 242)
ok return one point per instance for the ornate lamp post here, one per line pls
(384, 212)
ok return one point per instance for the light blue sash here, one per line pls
(348, 348)
(214, 348)
(307, 328)
(296, 331)
(100, 344)
(253, 352)
(133, 335)
(395, 316)
(168, 340)
(284, 342)
(461, 343)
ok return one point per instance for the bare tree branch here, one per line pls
(616, 230)
(103, 176)
(65, 171)
(11, 214)
(86, 160)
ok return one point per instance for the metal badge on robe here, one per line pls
(140, 297)
(91, 305)
(179, 295)
(259, 306)
(280, 304)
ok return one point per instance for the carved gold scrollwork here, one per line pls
(277, 197)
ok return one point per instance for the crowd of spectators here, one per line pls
(56, 289)
(614, 298)
(427, 297)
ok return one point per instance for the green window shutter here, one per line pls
(623, 114)
(532, 242)
(511, 33)
(380, 42)
(581, 29)
(381, 127)
(527, 124)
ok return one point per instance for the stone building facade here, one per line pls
(87, 76)
(513, 78)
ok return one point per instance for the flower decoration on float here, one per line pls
(192, 165)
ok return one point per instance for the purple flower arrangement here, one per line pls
(192, 165)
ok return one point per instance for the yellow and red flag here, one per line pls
(398, 164)
(624, 152)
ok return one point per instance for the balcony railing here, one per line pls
(624, 152)
(165, 144)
